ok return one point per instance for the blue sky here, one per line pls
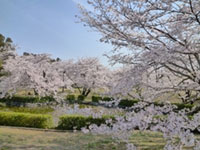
(48, 26)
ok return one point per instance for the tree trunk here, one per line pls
(85, 92)
(35, 92)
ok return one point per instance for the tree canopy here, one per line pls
(159, 40)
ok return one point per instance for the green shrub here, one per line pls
(70, 98)
(21, 99)
(182, 106)
(70, 122)
(2, 105)
(2, 73)
(46, 99)
(159, 104)
(80, 98)
(107, 99)
(25, 120)
(127, 103)
(82, 106)
(96, 99)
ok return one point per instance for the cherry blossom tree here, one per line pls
(177, 127)
(46, 76)
(123, 83)
(32, 71)
(152, 36)
(87, 74)
(63, 68)
(159, 41)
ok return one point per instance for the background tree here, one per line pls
(33, 71)
(7, 49)
(87, 74)
(121, 83)
(4, 40)
(63, 67)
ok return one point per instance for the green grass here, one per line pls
(41, 140)
(148, 140)
(19, 139)
(76, 93)
(26, 139)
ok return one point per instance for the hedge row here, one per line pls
(73, 99)
(125, 102)
(98, 98)
(80, 98)
(71, 122)
(66, 122)
(26, 99)
(25, 120)
(182, 106)
(129, 103)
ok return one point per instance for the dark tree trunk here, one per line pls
(86, 92)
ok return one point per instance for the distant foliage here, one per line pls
(4, 41)
(27, 99)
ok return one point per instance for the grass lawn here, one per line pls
(20, 139)
(23, 139)
(36, 110)
(12, 138)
